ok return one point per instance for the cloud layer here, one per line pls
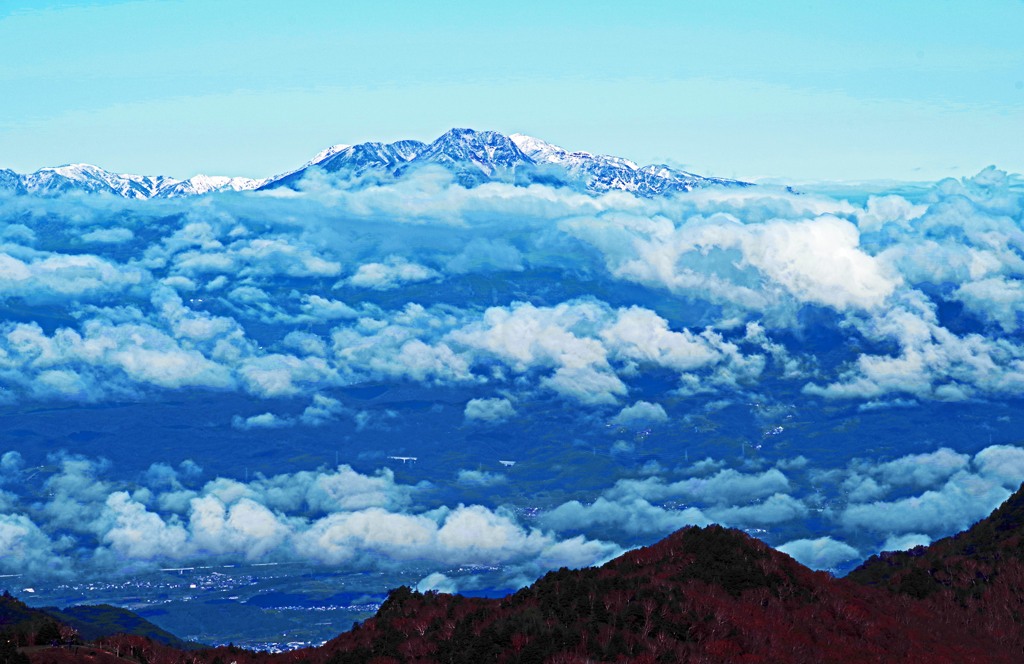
(603, 335)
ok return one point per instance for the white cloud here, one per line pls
(777, 508)
(489, 410)
(1003, 463)
(640, 413)
(28, 550)
(891, 209)
(634, 516)
(814, 261)
(996, 299)
(964, 499)
(109, 235)
(738, 297)
(59, 276)
(905, 542)
(393, 272)
(483, 255)
(481, 478)
(922, 470)
(725, 487)
(438, 582)
(820, 553)
(322, 410)
(136, 533)
(261, 421)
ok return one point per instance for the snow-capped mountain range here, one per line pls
(474, 158)
(93, 179)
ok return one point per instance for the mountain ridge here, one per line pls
(473, 157)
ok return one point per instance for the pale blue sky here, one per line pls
(798, 89)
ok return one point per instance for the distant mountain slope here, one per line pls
(95, 621)
(473, 157)
(29, 626)
(16, 616)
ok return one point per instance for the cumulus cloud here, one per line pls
(49, 277)
(728, 486)
(922, 470)
(483, 255)
(334, 517)
(438, 582)
(744, 258)
(777, 508)
(481, 478)
(489, 410)
(958, 504)
(591, 310)
(261, 421)
(393, 272)
(642, 412)
(592, 348)
(630, 515)
(29, 551)
(905, 541)
(962, 491)
(656, 506)
(720, 258)
(109, 235)
(820, 553)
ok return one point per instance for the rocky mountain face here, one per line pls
(473, 157)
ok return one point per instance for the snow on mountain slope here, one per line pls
(204, 184)
(327, 153)
(92, 179)
(11, 181)
(476, 157)
(602, 173)
(473, 157)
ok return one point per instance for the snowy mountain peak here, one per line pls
(479, 146)
(537, 149)
(327, 153)
(476, 156)
(473, 157)
(75, 171)
(87, 178)
(92, 179)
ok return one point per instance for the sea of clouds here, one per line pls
(626, 321)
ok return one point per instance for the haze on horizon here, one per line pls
(917, 91)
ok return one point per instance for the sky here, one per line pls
(797, 90)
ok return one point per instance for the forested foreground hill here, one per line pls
(700, 595)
